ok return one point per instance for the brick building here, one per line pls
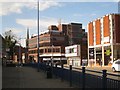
(76, 35)
(18, 54)
(51, 45)
(53, 42)
(104, 40)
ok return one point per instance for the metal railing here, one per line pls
(81, 79)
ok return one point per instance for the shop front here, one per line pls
(72, 53)
(103, 55)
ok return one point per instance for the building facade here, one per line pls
(53, 43)
(104, 40)
(76, 35)
(19, 54)
(73, 53)
(52, 46)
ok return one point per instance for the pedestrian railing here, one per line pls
(79, 78)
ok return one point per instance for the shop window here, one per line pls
(72, 50)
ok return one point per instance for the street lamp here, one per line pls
(38, 51)
(52, 47)
(19, 53)
(52, 56)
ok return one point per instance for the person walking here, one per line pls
(101, 63)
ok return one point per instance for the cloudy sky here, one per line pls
(18, 16)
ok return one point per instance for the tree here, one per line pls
(10, 41)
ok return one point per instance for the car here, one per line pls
(9, 61)
(116, 65)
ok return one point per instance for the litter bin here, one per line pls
(49, 72)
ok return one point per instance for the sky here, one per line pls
(18, 16)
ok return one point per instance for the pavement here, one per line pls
(98, 68)
(28, 77)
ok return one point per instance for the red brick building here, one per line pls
(104, 39)
(51, 45)
(53, 42)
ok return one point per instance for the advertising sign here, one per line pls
(73, 50)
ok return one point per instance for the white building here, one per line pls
(73, 55)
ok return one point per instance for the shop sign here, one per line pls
(107, 52)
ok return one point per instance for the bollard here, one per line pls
(62, 66)
(49, 74)
(56, 70)
(70, 75)
(83, 78)
(104, 78)
(38, 66)
(51, 69)
(56, 65)
(62, 72)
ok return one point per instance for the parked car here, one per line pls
(10, 63)
(116, 65)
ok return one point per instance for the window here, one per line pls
(57, 50)
(72, 50)
(45, 50)
(41, 50)
(49, 50)
(67, 51)
(53, 49)
(118, 62)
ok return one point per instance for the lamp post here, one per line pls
(19, 53)
(52, 47)
(13, 53)
(52, 56)
(38, 51)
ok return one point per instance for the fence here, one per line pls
(80, 78)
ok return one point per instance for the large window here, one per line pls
(57, 50)
(33, 40)
(32, 51)
(41, 50)
(49, 50)
(47, 38)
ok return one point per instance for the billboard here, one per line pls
(71, 51)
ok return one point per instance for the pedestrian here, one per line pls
(20, 64)
(101, 63)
